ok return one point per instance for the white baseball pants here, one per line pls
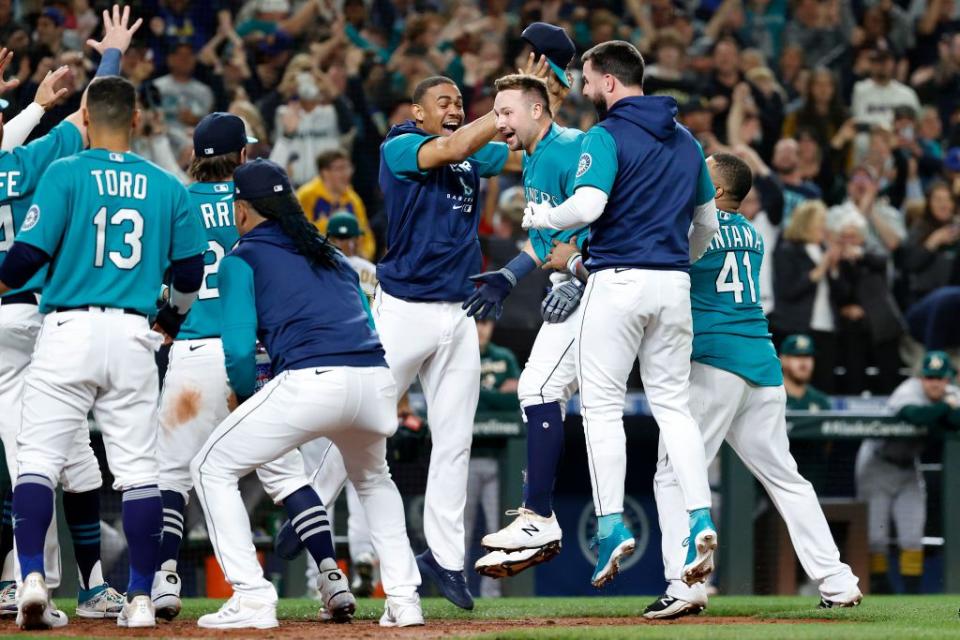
(751, 419)
(891, 491)
(550, 374)
(438, 342)
(628, 314)
(353, 406)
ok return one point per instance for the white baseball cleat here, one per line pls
(529, 530)
(241, 613)
(666, 607)
(851, 598)
(506, 564)
(101, 602)
(138, 613)
(34, 601)
(8, 599)
(166, 594)
(338, 603)
(402, 612)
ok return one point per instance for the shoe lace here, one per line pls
(686, 541)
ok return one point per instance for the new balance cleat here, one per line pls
(338, 603)
(505, 564)
(102, 601)
(402, 612)
(529, 530)
(613, 549)
(701, 546)
(452, 584)
(666, 607)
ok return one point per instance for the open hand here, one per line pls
(116, 32)
(48, 94)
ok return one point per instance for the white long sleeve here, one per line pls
(582, 208)
(16, 131)
(702, 229)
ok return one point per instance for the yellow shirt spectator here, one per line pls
(331, 192)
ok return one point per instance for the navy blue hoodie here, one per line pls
(432, 218)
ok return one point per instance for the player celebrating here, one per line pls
(430, 173)
(550, 152)
(20, 323)
(109, 224)
(289, 286)
(737, 395)
(641, 181)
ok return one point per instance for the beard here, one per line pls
(600, 105)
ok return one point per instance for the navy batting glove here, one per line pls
(495, 286)
(562, 300)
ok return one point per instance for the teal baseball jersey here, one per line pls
(549, 174)
(213, 203)
(112, 223)
(20, 171)
(730, 331)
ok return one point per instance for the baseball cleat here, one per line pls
(505, 564)
(8, 598)
(840, 604)
(138, 613)
(34, 601)
(241, 613)
(402, 612)
(166, 594)
(338, 603)
(701, 546)
(666, 607)
(452, 584)
(363, 576)
(529, 530)
(100, 602)
(614, 548)
(287, 544)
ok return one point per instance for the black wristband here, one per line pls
(170, 320)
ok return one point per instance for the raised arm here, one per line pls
(459, 146)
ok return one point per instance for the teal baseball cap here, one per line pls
(936, 364)
(554, 43)
(798, 344)
(343, 224)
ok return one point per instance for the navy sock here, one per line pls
(310, 521)
(32, 513)
(173, 507)
(544, 448)
(82, 513)
(6, 529)
(142, 524)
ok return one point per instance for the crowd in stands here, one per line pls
(846, 111)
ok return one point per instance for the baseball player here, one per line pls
(343, 230)
(550, 153)
(737, 395)
(109, 224)
(796, 360)
(286, 285)
(641, 181)
(19, 325)
(194, 399)
(889, 477)
(430, 171)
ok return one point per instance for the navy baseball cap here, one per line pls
(219, 133)
(260, 179)
(553, 42)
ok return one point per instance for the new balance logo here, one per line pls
(530, 529)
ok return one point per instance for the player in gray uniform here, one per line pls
(888, 471)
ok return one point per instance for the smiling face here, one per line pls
(519, 117)
(440, 112)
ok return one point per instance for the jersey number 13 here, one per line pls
(133, 247)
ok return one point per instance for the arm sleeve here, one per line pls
(597, 166)
(17, 130)
(47, 217)
(238, 304)
(189, 237)
(109, 63)
(582, 208)
(29, 162)
(400, 154)
(490, 158)
(186, 276)
(702, 229)
(21, 263)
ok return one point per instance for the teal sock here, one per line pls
(605, 524)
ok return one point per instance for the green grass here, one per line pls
(899, 617)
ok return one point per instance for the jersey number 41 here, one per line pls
(729, 280)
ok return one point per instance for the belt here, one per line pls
(97, 307)
(24, 297)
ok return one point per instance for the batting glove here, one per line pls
(535, 215)
(495, 286)
(561, 301)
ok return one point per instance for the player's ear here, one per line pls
(417, 112)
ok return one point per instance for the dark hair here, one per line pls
(928, 224)
(327, 158)
(618, 58)
(285, 210)
(111, 101)
(215, 168)
(836, 111)
(527, 84)
(735, 176)
(428, 83)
